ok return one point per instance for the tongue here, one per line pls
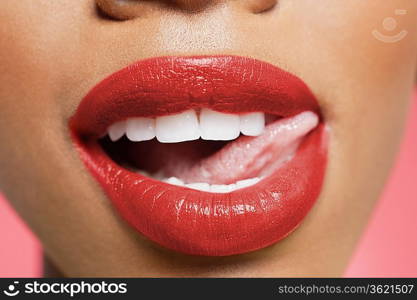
(247, 157)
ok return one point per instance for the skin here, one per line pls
(54, 52)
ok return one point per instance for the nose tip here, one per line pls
(255, 6)
(194, 5)
(129, 9)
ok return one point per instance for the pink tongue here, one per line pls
(249, 157)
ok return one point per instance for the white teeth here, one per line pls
(252, 124)
(178, 128)
(222, 188)
(174, 181)
(186, 126)
(140, 129)
(117, 130)
(218, 126)
(201, 186)
(247, 182)
(213, 188)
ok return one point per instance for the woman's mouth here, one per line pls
(214, 155)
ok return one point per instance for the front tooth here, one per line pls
(220, 188)
(247, 182)
(218, 126)
(117, 130)
(178, 128)
(201, 186)
(140, 129)
(252, 124)
(174, 181)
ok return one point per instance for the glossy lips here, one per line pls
(192, 221)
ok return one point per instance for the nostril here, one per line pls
(260, 6)
(121, 9)
(129, 9)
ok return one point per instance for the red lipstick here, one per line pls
(202, 222)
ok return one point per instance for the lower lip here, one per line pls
(210, 224)
(201, 223)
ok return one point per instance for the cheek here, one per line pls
(364, 86)
(333, 48)
(38, 43)
(41, 48)
(364, 83)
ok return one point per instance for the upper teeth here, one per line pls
(187, 126)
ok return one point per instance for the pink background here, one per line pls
(388, 247)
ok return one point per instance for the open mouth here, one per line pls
(208, 151)
(213, 156)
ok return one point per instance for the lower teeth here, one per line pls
(205, 187)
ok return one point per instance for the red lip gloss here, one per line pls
(191, 221)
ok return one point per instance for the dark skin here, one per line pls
(54, 52)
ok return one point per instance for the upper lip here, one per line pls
(191, 221)
(168, 85)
